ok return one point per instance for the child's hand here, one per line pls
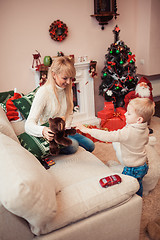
(82, 128)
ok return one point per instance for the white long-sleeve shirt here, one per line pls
(44, 106)
(132, 138)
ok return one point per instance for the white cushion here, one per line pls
(5, 126)
(26, 187)
(81, 195)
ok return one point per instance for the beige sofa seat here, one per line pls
(64, 202)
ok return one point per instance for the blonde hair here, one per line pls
(143, 107)
(62, 64)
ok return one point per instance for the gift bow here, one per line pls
(118, 113)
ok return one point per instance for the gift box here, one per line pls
(113, 120)
(107, 112)
(109, 106)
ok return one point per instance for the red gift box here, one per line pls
(116, 120)
(109, 106)
(107, 112)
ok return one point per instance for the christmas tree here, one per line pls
(119, 73)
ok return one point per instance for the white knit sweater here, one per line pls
(44, 106)
(133, 139)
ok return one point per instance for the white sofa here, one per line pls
(65, 201)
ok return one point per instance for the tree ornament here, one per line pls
(116, 32)
(58, 30)
(47, 61)
(109, 93)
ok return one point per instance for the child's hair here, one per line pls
(143, 107)
(62, 64)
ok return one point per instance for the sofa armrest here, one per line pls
(13, 227)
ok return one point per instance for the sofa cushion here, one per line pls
(24, 103)
(81, 194)
(5, 126)
(4, 96)
(38, 146)
(3, 106)
(26, 188)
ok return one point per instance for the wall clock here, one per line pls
(104, 10)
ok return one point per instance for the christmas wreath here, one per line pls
(58, 30)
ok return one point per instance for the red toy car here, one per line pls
(110, 180)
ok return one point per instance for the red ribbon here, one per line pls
(114, 114)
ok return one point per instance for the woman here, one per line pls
(55, 99)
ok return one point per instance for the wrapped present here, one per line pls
(116, 121)
(109, 106)
(107, 112)
(103, 114)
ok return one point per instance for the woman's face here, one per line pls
(62, 80)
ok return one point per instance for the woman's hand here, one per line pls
(48, 134)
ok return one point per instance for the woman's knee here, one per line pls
(71, 148)
(87, 144)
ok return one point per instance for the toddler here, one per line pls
(132, 138)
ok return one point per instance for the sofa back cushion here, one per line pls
(26, 188)
(5, 126)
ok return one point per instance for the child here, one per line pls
(132, 138)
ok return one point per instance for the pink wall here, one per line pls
(24, 28)
(148, 37)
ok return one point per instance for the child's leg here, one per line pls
(116, 146)
(138, 173)
(140, 191)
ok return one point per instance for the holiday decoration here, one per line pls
(58, 30)
(43, 70)
(47, 61)
(36, 59)
(60, 54)
(43, 79)
(12, 112)
(112, 119)
(143, 89)
(119, 73)
(92, 68)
